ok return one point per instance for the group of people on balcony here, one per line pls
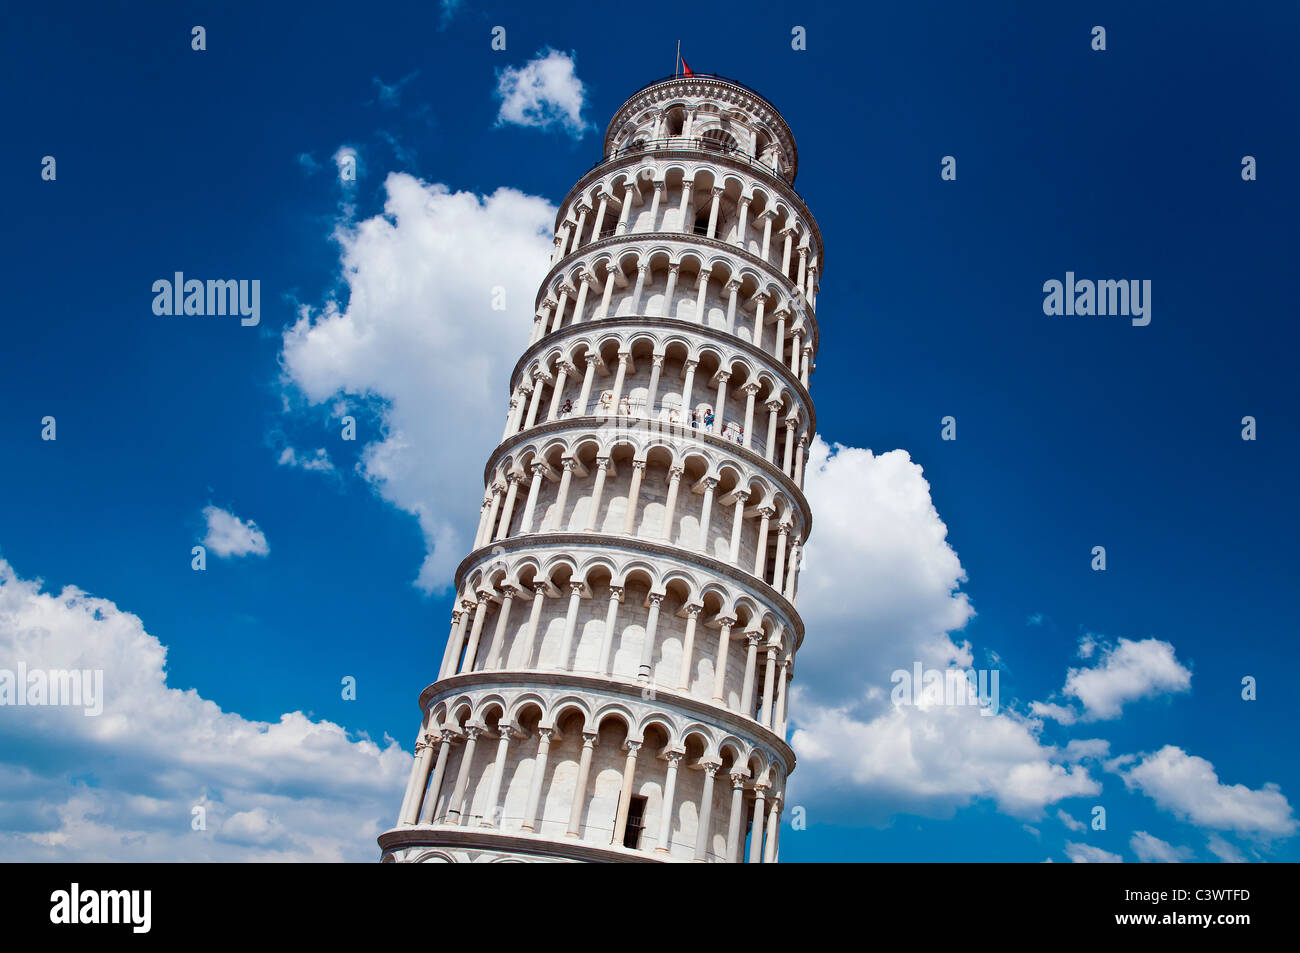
(702, 418)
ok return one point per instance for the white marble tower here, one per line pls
(616, 678)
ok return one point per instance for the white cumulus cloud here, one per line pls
(1189, 787)
(1124, 673)
(1087, 854)
(318, 461)
(543, 92)
(1128, 672)
(124, 785)
(881, 591)
(229, 536)
(1150, 849)
(418, 332)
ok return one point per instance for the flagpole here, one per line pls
(679, 58)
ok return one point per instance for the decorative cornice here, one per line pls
(808, 311)
(482, 838)
(644, 321)
(591, 423)
(603, 541)
(734, 722)
(721, 158)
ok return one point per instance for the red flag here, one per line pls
(686, 70)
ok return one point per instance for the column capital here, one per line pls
(737, 781)
(569, 463)
(575, 588)
(732, 286)
(773, 404)
(726, 621)
(674, 757)
(589, 738)
(655, 598)
(603, 463)
(767, 512)
(693, 610)
(537, 469)
(753, 637)
(616, 592)
(674, 268)
(690, 365)
(675, 473)
(638, 465)
(753, 387)
(711, 768)
(472, 732)
(545, 734)
(632, 747)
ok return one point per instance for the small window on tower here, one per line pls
(635, 822)
(702, 224)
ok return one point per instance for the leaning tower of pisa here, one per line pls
(616, 679)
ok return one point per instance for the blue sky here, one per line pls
(1072, 432)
